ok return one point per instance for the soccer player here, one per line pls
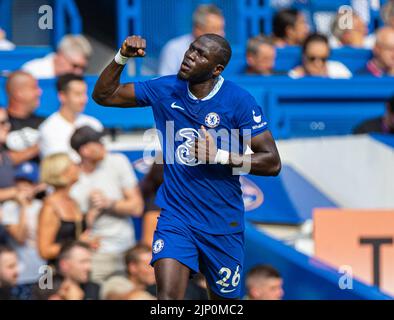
(201, 225)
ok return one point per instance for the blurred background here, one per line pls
(322, 70)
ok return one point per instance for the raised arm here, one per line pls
(108, 90)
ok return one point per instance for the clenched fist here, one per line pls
(133, 46)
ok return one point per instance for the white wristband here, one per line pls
(222, 157)
(119, 59)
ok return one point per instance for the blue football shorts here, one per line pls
(219, 258)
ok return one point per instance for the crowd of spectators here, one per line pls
(66, 203)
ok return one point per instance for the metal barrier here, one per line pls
(295, 108)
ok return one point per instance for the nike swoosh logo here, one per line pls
(226, 291)
(174, 106)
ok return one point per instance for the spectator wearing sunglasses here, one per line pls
(72, 56)
(315, 60)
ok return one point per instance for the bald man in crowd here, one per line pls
(382, 62)
(207, 18)
(24, 96)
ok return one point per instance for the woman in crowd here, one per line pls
(61, 219)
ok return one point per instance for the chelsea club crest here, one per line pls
(212, 120)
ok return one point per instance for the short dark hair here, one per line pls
(132, 255)
(64, 80)
(263, 271)
(69, 246)
(283, 19)
(314, 37)
(225, 51)
(6, 249)
(390, 104)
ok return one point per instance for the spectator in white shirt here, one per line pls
(20, 216)
(315, 54)
(107, 190)
(350, 31)
(72, 56)
(5, 45)
(206, 19)
(56, 131)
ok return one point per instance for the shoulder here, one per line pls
(118, 158)
(41, 67)
(52, 120)
(84, 119)
(163, 84)
(180, 41)
(236, 93)
(338, 69)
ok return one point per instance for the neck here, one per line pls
(17, 110)
(88, 166)
(64, 191)
(202, 89)
(137, 283)
(67, 114)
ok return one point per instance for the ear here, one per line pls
(218, 70)
(249, 60)
(61, 97)
(289, 32)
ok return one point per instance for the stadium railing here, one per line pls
(295, 108)
(14, 59)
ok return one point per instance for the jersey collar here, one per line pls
(214, 91)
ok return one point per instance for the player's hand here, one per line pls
(133, 47)
(205, 148)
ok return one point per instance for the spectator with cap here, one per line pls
(289, 28)
(72, 56)
(353, 33)
(60, 219)
(382, 62)
(383, 124)
(56, 131)
(108, 192)
(260, 56)
(9, 272)
(315, 60)
(20, 216)
(263, 282)
(207, 18)
(23, 95)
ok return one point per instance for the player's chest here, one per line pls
(184, 113)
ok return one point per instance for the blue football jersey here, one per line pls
(206, 196)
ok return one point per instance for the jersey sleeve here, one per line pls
(250, 118)
(148, 92)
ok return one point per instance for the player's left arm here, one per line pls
(265, 161)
